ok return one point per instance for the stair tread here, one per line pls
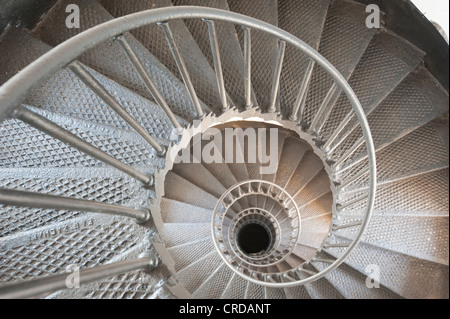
(98, 184)
(198, 175)
(398, 115)
(175, 234)
(342, 18)
(182, 190)
(86, 242)
(321, 289)
(44, 151)
(305, 171)
(193, 276)
(291, 156)
(304, 251)
(407, 276)
(421, 237)
(384, 65)
(424, 194)
(173, 211)
(320, 207)
(229, 47)
(305, 20)
(318, 224)
(109, 58)
(129, 285)
(317, 187)
(236, 158)
(254, 291)
(235, 288)
(152, 38)
(79, 100)
(298, 292)
(352, 283)
(308, 243)
(214, 286)
(270, 177)
(420, 152)
(275, 293)
(183, 255)
(264, 46)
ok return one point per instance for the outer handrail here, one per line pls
(16, 89)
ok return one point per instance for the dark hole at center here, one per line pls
(253, 238)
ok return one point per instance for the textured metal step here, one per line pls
(274, 293)
(306, 170)
(352, 284)
(317, 187)
(321, 289)
(422, 195)
(173, 211)
(254, 291)
(291, 156)
(421, 237)
(229, 47)
(317, 224)
(299, 292)
(386, 62)
(408, 276)
(342, 18)
(196, 274)
(290, 262)
(250, 150)
(280, 141)
(264, 47)
(124, 145)
(215, 284)
(99, 184)
(18, 152)
(237, 161)
(419, 152)
(416, 101)
(184, 191)
(86, 241)
(152, 37)
(305, 20)
(109, 58)
(132, 285)
(236, 288)
(182, 233)
(183, 256)
(64, 93)
(321, 207)
(312, 241)
(198, 175)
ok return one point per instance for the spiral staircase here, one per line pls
(92, 131)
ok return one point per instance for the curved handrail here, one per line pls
(16, 89)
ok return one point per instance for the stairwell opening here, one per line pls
(254, 239)
(261, 223)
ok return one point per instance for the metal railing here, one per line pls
(14, 92)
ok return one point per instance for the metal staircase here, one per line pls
(93, 120)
